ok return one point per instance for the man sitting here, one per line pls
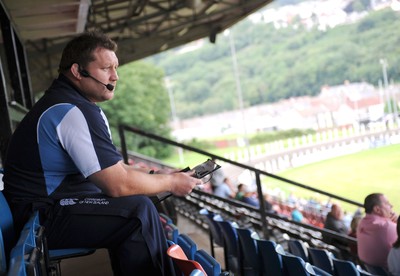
(376, 232)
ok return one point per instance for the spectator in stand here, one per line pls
(334, 222)
(394, 254)
(224, 189)
(296, 214)
(240, 191)
(376, 231)
(75, 176)
(249, 197)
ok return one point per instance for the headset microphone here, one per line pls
(86, 74)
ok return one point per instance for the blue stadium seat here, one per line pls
(7, 228)
(248, 256)
(3, 261)
(214, 230)
(344, 268)
(296, 247)
(209, 264)
(171, 232)
(270, 260)
(375, 270)
(188, 245)
(230, 246)
(165, 219)
(28, 257)
(321, 258)
(295, 266)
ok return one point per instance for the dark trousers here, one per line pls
(129, 227)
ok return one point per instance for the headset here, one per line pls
(86, 74)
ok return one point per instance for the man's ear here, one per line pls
(75, 71)
(377, 210)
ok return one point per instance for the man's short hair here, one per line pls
(80, 49)
(371, 201)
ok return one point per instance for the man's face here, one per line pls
(104, 69)
(385, 208)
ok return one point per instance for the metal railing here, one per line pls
(257, 172)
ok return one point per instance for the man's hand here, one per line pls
(393, 217)
(166, 171)
(183, 183)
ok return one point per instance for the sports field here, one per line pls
(352, 176)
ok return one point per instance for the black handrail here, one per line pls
(122, 128)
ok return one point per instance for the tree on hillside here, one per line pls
(140, 101)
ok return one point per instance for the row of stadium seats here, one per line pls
(246, 253)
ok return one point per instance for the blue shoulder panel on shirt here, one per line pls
(49, 146)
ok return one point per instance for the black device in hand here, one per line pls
(205, 168)
(200, 171)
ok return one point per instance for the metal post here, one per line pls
(238, 88)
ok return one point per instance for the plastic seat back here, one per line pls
(376, 270)
(188, 245)
(28, 257)
(230, 246)
(344, 268)
(209, 264)
(248, 256)
(6, 226)
(3, 261)
(296, 248)
(171, 232)
(214, 230)
(294, 265)
(321, 259)
(270, 260)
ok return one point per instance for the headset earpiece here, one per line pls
(84, 73)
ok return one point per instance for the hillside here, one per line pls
(275, 64)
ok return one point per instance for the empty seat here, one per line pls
(296, 266)
(209, 264)
(230, 246)
(6, 226)
(214, 230)
(171, 232)
(376, 270)
(248, 256)
(270, 260)
(165, 219)
(3, 261)
(321, 258)
(188, 245)
(296, 247)
(344, 268)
